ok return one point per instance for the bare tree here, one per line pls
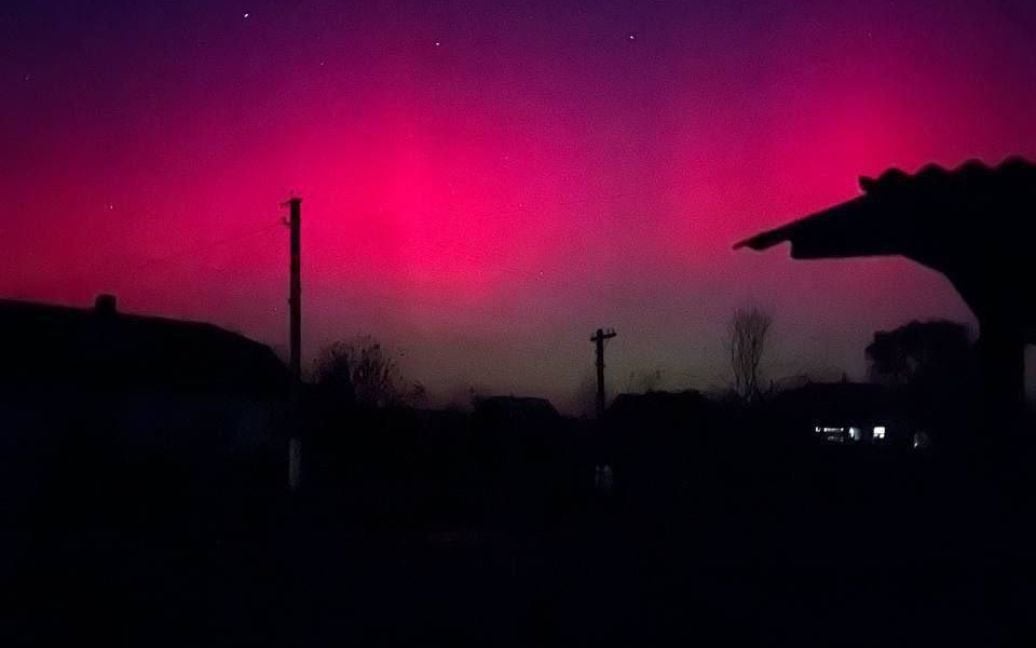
(747, 343)
(361, 371)
(332, 373)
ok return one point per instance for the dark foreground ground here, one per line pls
(843, 548)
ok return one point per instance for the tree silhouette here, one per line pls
(746, 343)
(934, 365)
(920, 352)
(332, 372)
(361, 372)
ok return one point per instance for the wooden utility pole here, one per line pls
(598, 339)
(295, 298)
(295, 338)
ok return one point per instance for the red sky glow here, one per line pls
(484, 184)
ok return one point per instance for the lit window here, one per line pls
(854, 433)
(879, 432)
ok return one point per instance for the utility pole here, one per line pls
(295, 336)
(295, 298)
(598, 339)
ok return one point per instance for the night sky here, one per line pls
(486, 183)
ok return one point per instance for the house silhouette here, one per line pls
(89, 394)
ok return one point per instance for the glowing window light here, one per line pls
(854, 433)
(879, 432)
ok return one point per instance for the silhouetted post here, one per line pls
(598, 338)
(295, 334)
(295, 299)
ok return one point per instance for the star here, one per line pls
(438, 43)
(246, 14)
(631, 36)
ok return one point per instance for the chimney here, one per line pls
(104, 305)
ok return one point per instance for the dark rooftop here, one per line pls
(97, 348)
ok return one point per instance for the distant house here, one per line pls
(522, 442)
(650, 439)
(97, 384)
(515, 411)
(669, 410)
(842, 413)
(516, 429)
